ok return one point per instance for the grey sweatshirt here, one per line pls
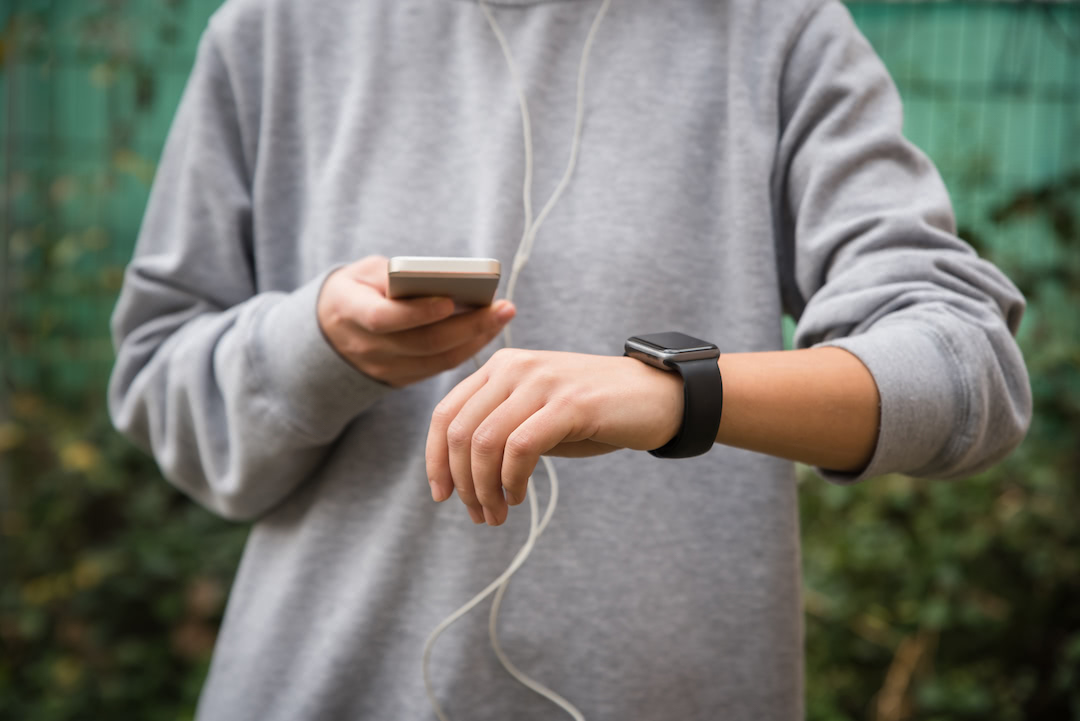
(739, 158)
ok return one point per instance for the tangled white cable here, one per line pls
(521, 257)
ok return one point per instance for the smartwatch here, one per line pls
(703, 389)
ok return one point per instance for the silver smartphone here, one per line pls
(471, 282)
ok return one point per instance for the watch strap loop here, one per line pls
(703, 396)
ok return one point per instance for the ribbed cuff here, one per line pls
(921, 394)
(318, 389)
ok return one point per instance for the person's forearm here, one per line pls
(488, 433)
(818, 406)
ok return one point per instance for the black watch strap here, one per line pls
(703, 395)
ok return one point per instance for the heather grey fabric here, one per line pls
(738, 158)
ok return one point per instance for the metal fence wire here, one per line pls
(991, 93)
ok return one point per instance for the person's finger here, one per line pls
(445, 335)
(459, 442)
(436, 451)
(374, 313)
(403, 370)
(372, 271)
(488, 443)
(536, 435)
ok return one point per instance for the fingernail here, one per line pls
(436, 492)
(475, 515)
(505, 313)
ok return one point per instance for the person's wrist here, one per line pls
(661, 401)
(329, 311)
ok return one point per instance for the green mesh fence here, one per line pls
(89, 89)
(991, 93)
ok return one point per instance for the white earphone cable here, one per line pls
(521, 257)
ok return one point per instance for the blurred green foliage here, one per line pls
(113, 583)
(961, 599)
(925, 600)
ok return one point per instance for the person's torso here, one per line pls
(662, 589)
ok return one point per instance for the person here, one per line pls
(737, 161)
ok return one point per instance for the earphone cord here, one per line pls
(521, 257)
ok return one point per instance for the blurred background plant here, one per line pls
(924, 600)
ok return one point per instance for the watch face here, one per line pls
(663, 349)
(674, 342)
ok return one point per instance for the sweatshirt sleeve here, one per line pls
(235, 392)
(873, 265)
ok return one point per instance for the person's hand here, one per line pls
(489, 432)
(399, 342)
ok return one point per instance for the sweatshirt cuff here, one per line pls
(317, 389)
(921, 395)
